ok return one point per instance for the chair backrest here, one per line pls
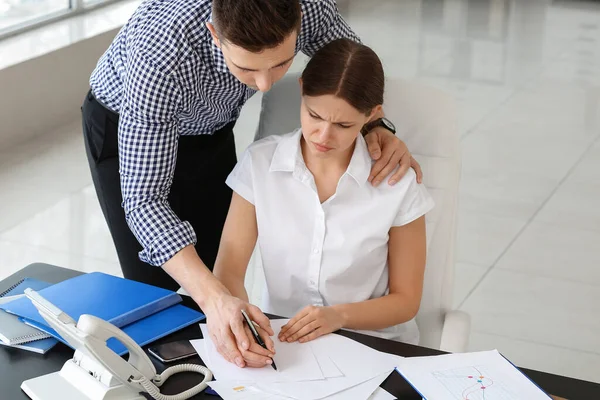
(426, 121)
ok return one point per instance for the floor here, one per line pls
(526, 77)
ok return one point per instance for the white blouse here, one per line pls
(330, 253)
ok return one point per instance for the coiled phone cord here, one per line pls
(152, 386)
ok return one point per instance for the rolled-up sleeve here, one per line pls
(324, 24)
(148, 139)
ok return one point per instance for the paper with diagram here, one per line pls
(485, 375)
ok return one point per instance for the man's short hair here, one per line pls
(256, 25)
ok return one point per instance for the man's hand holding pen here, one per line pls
(262, 344)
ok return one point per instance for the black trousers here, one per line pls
(198, 194)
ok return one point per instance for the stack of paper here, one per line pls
(331, 367)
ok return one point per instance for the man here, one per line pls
(158, 127)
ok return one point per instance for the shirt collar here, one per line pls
(288, 158)
(288, 153)
(360, 163)
(218, 58)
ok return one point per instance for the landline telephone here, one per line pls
(95, 371)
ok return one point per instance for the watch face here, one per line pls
(388, 124)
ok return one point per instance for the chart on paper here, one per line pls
(473, 383)
(482, 375)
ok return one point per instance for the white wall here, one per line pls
(46, 92)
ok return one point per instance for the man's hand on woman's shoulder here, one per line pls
(389, 151)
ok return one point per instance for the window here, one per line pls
(18, 15)
(17, 12)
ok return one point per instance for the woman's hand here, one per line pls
(232, 340)
(310, 323)
(389, 151)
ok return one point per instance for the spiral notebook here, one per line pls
(20, 286)
(37, 346)
(13, 332)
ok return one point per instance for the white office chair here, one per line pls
(426, 121)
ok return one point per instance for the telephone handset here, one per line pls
(117, 377)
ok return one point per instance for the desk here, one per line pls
(18, 365)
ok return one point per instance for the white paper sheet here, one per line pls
(354, 358)
(362, 391)
(477, 375)
(328, 366)
(295, 363)
(316, 390)
(245, 391)
(357, 362)
(229, 390)
(381, 394)
(350, 371)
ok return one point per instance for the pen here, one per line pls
(256, 336)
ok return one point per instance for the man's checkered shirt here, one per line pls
(165, 77)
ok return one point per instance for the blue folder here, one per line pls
(145, 330)
(116, 300)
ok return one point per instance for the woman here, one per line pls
(337, 252)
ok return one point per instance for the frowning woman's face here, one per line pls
(330, 125)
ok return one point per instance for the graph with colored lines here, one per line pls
(473, 383)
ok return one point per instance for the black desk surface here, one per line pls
(18, 365)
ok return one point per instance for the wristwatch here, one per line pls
(383, 122)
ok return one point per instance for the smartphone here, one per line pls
(173, 351)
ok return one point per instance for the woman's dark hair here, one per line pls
(348, 70)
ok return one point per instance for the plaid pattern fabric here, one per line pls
(165, 77)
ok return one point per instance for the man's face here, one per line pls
(261, 70)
